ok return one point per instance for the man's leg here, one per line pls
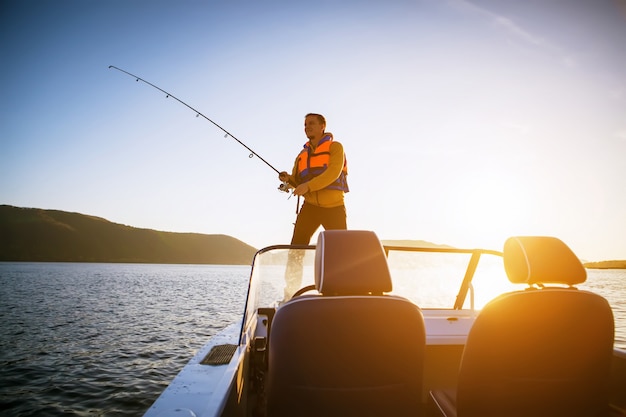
(307, 223)
(335, 218)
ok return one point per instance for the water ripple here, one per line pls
(105, 339)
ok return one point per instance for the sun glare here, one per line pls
(491, 209)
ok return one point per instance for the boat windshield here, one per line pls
(433, 278)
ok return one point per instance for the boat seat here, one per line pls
(350, 350)
(542, 351)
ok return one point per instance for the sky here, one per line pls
(464, 122)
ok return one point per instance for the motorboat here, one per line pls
(353, 326)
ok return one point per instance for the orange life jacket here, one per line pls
(313, 163)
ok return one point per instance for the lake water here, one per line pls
(106, 339)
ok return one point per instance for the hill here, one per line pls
(30, 234)
(606, 265)
(413, 243)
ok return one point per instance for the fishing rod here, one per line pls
(283, 187)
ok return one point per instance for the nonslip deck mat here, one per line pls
(219, 355)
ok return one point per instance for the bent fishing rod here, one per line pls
(283, 187)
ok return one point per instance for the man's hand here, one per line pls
(301, 189)
(283, 176)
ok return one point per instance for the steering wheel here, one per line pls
(303, 290)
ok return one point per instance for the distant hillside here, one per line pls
(606, 265)
(30, 234)
(413, 243)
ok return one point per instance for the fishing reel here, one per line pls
(285, 187)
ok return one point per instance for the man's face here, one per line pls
(313, 129)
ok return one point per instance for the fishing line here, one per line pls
(227, 133)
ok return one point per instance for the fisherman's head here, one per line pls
(314, 126)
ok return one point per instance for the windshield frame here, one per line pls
(276, 256)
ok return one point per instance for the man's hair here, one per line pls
(320, 118)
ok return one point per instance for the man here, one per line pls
(320, 175)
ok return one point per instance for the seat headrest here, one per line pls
(351, 262)
(541, 260)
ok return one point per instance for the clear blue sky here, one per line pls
(464, 122)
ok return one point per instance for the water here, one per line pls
(106, 339)
(611, 284)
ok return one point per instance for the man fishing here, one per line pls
(319, 174)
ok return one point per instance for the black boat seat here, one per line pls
(349, 350)
(542, 351)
